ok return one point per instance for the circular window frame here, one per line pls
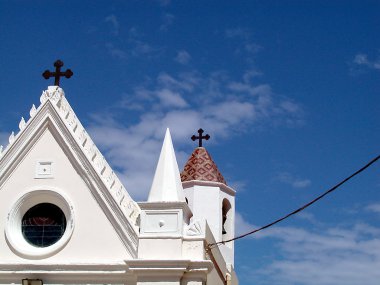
(13, 231)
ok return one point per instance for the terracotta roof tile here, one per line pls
(200, 166)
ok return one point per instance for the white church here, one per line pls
(66, 218)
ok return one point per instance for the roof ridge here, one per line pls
(56, 96)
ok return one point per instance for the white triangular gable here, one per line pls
(53, 156)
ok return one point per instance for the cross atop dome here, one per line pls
(200, 137)
(200, 165)
(58, 73)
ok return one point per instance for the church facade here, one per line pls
(66, 218)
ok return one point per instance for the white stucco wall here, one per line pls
(206, 202)
(93, 236)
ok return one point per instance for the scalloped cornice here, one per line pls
(56, 110)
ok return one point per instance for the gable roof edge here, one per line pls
(102, 174)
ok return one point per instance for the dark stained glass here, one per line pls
(43, 225)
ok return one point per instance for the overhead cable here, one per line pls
(299, 209)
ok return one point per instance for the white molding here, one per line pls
(226, 189)
(105, 272)
(172, 268)
(27, 200)
(46, 174)
(106, 188)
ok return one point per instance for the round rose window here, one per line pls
(43, 224)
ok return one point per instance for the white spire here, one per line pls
(167, 185)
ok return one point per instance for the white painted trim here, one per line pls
(39, 175)
(105, 272)
(108, 191)
(28, 199)
(172, 268)
(226, 189)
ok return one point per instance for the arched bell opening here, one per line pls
(226, 217)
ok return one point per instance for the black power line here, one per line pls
(301, 208)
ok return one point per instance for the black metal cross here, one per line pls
(200, 137)
(57, 74)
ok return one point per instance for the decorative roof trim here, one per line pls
(102, 174)
(222, 186)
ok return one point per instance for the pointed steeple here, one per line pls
(167, 186)
(200, 166)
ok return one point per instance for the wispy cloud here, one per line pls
(323, 255)
(242, 226)
(252, 48)
(182, 103)
(113, 21)
(332, 256)
(374, 208)
(245, 45)
(183, 57)
(361, 60)
(308, 217)
(138, 45)
(288, 178)
(237, 33)
(116, 52)
(250, 74)
(167, 20)
(163, 2)
(133, 45)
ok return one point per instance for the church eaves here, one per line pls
(200, 166)
(54, 97)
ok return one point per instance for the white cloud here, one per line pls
(141, 48)
(133, 45)
(185, 83)
(183, 57)
(361, 60)
(295, 182)
(374, 207)
(211, 103)
(163, 2)
(262, 89)
(171, 99)
(331, 256)
(322, 255)
(249, 74)
(242, 226)
(252, 47)
(307, 217)
(112, 19)
(167, 20)
(237, 33)
(244, 44)
(116, 52)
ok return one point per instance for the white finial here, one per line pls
(1, 149)
(167, 185)
(32, 111)
(22, 124)
(12, 138)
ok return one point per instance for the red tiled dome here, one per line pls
(200, 166)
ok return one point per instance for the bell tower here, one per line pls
(209, 197)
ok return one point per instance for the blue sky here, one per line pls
(288, 91)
